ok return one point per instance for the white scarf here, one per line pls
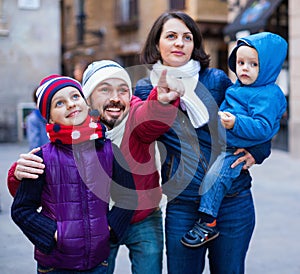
(189, 76)
(116, 133)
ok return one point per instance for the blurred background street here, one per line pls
(274, 248)
(60, 34)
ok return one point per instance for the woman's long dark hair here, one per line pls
(150, 53)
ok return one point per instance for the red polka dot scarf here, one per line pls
(68, 135)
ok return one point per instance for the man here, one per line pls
(133, 125)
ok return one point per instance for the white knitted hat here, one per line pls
(99, 71)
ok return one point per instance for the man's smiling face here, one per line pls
(112, 99)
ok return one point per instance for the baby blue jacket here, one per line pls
(258, 107)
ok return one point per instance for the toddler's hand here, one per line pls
(227, 119)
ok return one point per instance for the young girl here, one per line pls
(71, 232)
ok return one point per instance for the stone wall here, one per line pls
(29, 50)
(294, 57)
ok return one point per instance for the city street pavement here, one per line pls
(275, 244)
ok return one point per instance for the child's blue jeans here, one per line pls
(217, 181)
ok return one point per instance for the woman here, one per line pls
(175, 43)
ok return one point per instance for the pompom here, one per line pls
(94, 113)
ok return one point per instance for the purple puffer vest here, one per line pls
(76, 196)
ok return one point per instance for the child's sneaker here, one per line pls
(200, 234)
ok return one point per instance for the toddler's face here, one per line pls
(247, 66)
(68, 107)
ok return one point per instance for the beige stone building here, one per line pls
(91, 30)
(117, 29)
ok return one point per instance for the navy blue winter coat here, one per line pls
(188, 151)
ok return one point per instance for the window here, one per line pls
(126, 16)
(132, 64)
(278, 21)
(3, 25)
(177, 4)
(129, 60)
